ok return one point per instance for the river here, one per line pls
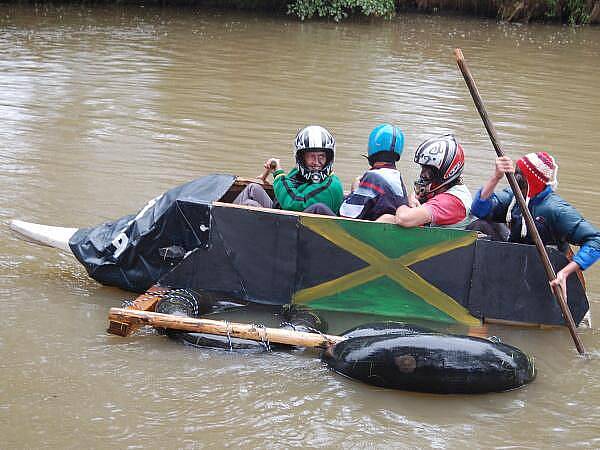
(104, 108)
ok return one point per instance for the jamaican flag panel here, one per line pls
(333, 264)
(382, 269)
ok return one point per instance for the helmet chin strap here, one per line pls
(424, 191)
(315, 177)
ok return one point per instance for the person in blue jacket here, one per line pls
(556, 220)
(380, 190)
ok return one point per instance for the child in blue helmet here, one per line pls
(380, 190)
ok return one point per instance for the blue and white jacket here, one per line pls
(380, 191)
(556, 220)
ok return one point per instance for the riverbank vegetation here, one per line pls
(573, 12)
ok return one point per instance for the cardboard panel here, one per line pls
(509, 283)
(262, 248)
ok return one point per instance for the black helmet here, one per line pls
(317, 139)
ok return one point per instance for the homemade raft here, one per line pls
(392, 355)
(192, 237)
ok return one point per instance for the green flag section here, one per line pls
(388, 252)
(383, 297)
(394, 241)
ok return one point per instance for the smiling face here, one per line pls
(315, 161)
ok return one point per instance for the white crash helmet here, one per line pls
(318, 139)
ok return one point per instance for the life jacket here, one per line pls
(461, 192)
(380, 191)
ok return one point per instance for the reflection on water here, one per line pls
(103, 109)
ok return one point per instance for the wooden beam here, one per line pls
(253, 332)
(145, 302)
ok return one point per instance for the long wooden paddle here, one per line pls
(531, 228)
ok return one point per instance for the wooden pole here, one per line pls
(135, 318)
(531, 228)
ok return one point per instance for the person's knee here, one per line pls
(253, 189)
(251, 202)
(320, 208)
(495, 231)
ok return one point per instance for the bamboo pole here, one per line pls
(512, 181)
(135, 318)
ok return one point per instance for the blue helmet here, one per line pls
(386, 138)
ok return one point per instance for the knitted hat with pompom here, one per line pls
(540, 170)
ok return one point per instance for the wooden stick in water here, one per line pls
(512, 181)
(239, 330)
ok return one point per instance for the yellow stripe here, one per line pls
(397, 269)
(330, 230)
(430, 251)
(432, 295)
(340, 284)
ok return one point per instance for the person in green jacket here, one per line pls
(311, 186)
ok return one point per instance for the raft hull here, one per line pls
(189, 237)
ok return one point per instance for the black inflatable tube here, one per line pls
(444, 364)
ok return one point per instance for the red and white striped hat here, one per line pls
(540, 170)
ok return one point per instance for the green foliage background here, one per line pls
(574, 12)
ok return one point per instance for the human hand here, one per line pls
(561, 282)
(355, 184)
(271, 165)
(503, 165)
(413, 201)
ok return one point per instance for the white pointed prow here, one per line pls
(57, 237)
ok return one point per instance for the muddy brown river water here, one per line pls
(102, 109)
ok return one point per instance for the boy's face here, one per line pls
(315, 160)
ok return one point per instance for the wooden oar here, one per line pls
(533, 232)
(135, 319)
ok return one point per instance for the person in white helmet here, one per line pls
(311, 186)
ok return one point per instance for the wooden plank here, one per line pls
(513, 323)
(238, 186)
(222, 328)
(145, 302)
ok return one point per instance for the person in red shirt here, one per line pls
(440, 198)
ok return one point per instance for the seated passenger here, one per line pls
(556, 220)
(441, 197)
(311, 186)
(380, 190)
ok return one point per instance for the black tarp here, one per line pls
(127, 252)
(252, 254)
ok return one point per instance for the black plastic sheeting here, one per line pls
(134, 251)
(252, 254)
(411, 358)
